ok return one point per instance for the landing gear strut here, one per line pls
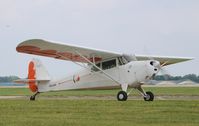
(122, 96)
(148, 96)
(32, 98)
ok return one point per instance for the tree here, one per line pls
(8, 78)
(191, 77)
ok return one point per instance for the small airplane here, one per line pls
(101, 69)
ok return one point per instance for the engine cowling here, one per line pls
(141, 71)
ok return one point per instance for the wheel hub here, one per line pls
(121, 96)
(147, 97)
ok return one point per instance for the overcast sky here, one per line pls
(157, 27)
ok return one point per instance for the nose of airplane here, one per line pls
(155, 63)
(154, 68)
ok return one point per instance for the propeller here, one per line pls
(161, 68)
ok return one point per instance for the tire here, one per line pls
(150, 96)
(122, 96)
(32, 98)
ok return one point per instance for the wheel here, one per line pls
(149, 97)
(32, 98)
(122, 96)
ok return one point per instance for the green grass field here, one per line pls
(98, 113)
(175, 91)
(59, 112)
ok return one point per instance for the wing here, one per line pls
(69, 52)
(63, 51)
(164, 60)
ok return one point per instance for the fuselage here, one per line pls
(133, 73)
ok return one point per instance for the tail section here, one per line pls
(37, 74)
(37, 71)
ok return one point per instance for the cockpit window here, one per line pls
(109, 64)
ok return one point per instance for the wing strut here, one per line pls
(109, 76)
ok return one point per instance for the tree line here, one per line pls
(8, 79)
(192, 77)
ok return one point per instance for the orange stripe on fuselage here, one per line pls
(31, 75)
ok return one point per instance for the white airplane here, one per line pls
(102, 69)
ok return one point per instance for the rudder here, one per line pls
(36, 72)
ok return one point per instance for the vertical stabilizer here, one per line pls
(41, 72)
(36, 73)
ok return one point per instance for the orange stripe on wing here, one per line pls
(53, 53)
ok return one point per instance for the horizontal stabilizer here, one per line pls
(27, 81)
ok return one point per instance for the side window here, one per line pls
(120, 62)
(109, 64)
(94, 68)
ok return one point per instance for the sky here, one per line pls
(149, 27)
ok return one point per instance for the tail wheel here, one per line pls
(32, 98)
(122, 96)
(149, 96)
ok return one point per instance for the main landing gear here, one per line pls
(123, 96)
(149, 96)
(32, 98)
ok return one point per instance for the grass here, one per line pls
(98, 113)
(59, 112)
(177, 91)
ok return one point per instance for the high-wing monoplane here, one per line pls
(101, 69)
